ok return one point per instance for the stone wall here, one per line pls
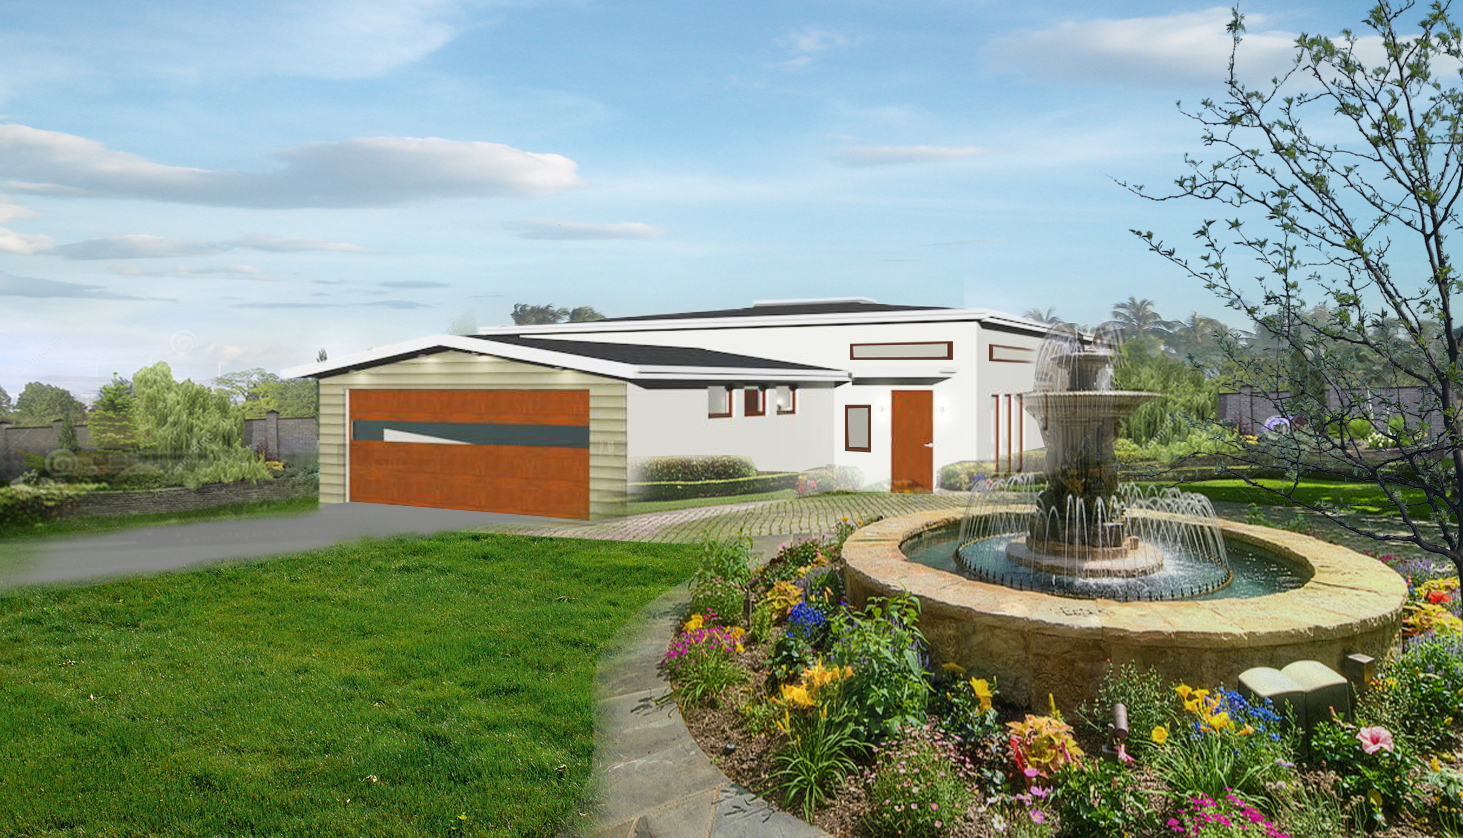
(178, 499)
(1250, 408)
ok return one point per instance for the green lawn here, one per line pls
(1359, 497)
(96, 524)
(412, 686)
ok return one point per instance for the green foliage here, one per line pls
(962, 476)
(719, 596)
(67, 440)
(730, 559)
(194, 426)
(1445, 799)
(763, 619)
(1188, 399)
(1380, 780)
(1149, 702)
(1357, 429)
(704, 680)
(691, 469)
(919, 785)
(255, 392)
(1222, 743)
(7, 407)
(24, 504)
(1418, 695)
(1317, 813)
(531, 315)
(1223, 817)
(830, 479)
(791, 560)
(884, 646)
(819, 752)
(42, 404)
(1097, 798)
(113, 420)
(759, 716)
(791, 654)
(735, 488)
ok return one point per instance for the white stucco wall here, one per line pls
(666, 423)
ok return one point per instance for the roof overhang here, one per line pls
(904, 375)
(659, 374)
(1007, 322)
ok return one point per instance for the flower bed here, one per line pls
(841, 716)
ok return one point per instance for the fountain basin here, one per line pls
(1037, 643)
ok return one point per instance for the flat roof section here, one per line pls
(645, 355)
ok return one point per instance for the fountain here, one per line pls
(1083, 534)
(1041, 584)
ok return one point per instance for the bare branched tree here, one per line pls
(1344, 181)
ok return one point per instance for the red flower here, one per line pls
(1437, 597)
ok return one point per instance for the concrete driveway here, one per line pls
(156, 549)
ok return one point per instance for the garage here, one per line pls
(523, 452)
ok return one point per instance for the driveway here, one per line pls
(156, 549)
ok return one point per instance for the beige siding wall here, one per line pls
(462, 370)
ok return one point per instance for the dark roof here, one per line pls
(634, 353)
(838, 307)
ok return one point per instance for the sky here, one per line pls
(224, 186)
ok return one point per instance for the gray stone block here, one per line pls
(1289, 698)
(1324, 687)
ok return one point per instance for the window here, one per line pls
(718, 402)
(943, 350)
(856, 435)
(787, 400)
(756, 402)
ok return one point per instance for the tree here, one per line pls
(7, 407)
(1361, 224)
(1048, 317)
(68, 439)
(42, 404)
(113, 420)
(466, 323)
(194, 426)
(1138, 319)
(529, 315)
(255, 392)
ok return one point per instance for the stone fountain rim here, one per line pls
(1346, 592)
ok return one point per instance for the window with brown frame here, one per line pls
(755, 401)
(718, 402)
(932, 350)
(787, 400)
(857, 427)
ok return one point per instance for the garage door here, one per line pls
(519, 451)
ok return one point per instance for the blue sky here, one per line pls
(224, 186)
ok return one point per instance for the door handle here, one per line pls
(929, 445)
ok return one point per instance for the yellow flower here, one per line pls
(1218, 721)
(953, 668)
(694, 623)
(1183, 690)
(1159, 735)
(1435, 765)
(1246, 730)
(982, 691)
(738, 632)
(796, 695)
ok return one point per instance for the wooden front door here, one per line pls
(518, 451)
(912, 447)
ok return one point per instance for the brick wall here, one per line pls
(178, 499)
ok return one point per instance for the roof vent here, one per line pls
(812, 302)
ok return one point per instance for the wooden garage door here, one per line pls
(519, 451)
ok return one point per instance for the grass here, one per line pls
(411, 686)
(641, 507)
(96, 524)
(1356, 496)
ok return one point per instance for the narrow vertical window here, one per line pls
(718, 402)
(856, 427)
(756, 401)
(787, 400)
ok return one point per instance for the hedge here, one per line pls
(681, 490)
(690, 469)
(24, 504)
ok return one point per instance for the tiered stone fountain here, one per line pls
(1096, 572)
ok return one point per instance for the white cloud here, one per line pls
(25, 286)
(888, 154)
(282, 244)
(803, 45)
(196, 272)
(13, 242)
(136, 247)
(548, 228)
(360, 172)
(1181, 48)
(10, 210)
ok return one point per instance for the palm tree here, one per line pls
(1139, 319)
(1048, 317)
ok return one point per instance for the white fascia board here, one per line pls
(543, 357)
(905, 372)
(692, 323)
(549, 358)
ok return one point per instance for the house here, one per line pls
(543, 420)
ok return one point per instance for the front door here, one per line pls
(912, 448)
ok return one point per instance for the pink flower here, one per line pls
(1375, 739)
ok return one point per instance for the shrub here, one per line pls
(962, 476)
(730, 559)
(1098, 799)
(885, 648)
(819, 752)
(763, 619)
(918, 786)
(1371, 765)
(1445, 798)
(792, 560)
(790, 655)
(830, 479)
(27, 504)
(686, 489)
(967, 714)
(721, 597)
(1419, 693)
(1224, 743)
(691, 469)
(1042, 746)
(1356, 429)
(1142, 692)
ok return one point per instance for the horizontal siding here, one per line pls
(608, 421)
